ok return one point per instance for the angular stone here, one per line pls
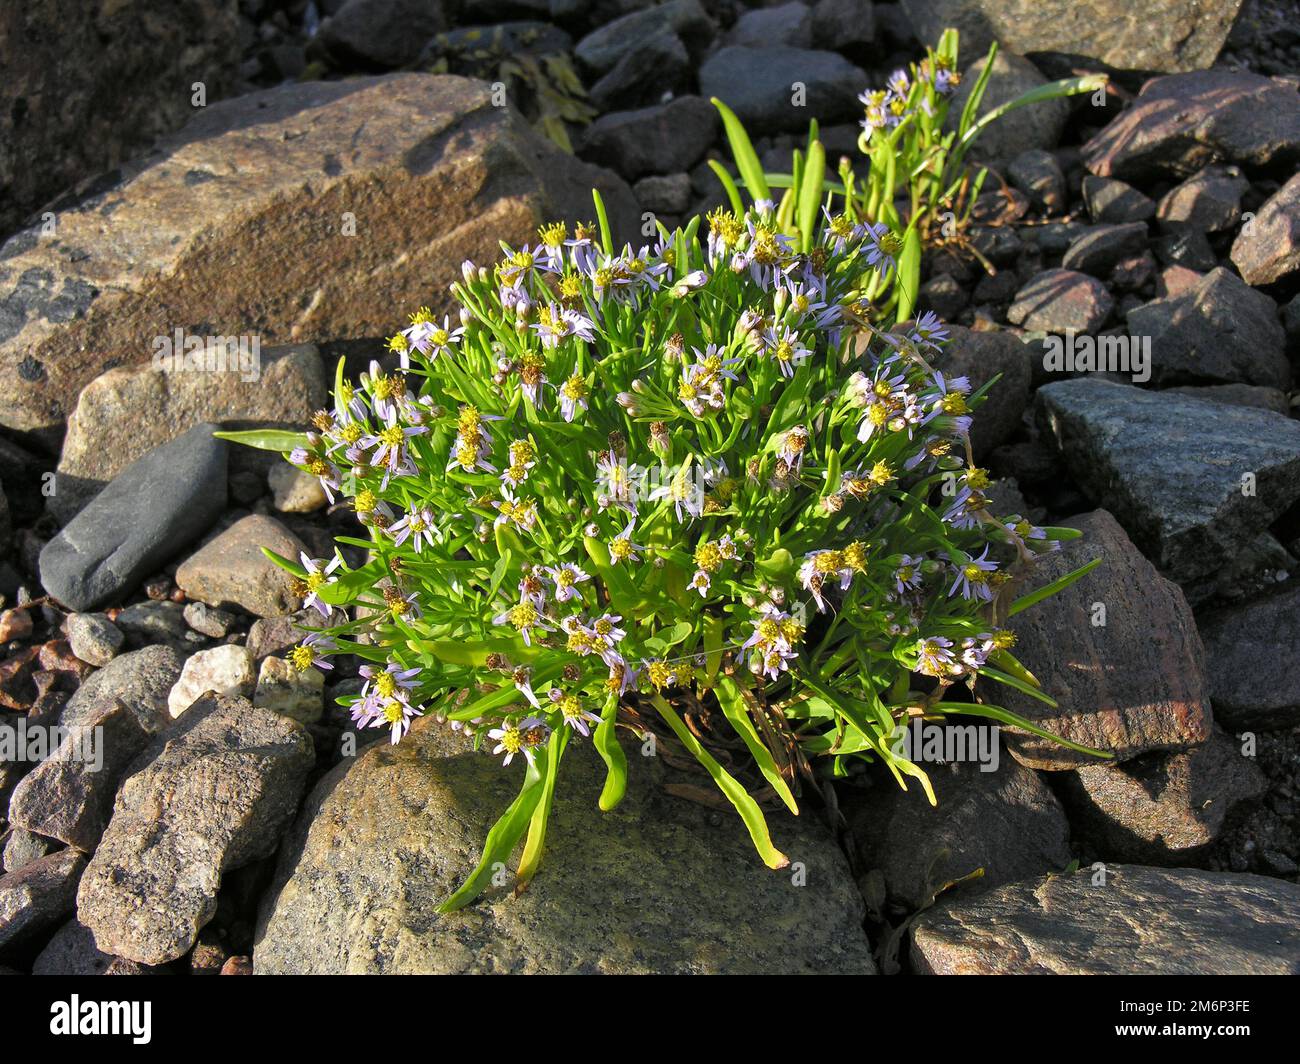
(664, 194)
(1140, 921)
(1161, 808)
(237, 225)
(601, 49)
(1038, 175)
(1253, 652)
(758, 84)
(22, 847)
(72, 951)
(1017, 131)
(789, 25)
(69, 796)
(124, 413)
(156, 622)
(275, 635)
(1006, 822)
(1165, 35)
(1209, 201)
(1135, 453)
(1262, 398)
(1059, 301)
(151, 511)
(38, 896)
(74, 105)
(847, 26)
(1220, 331)
(1113, 202)
(232, 569)
(208, 620)
(283, 689)
(139, 680)
(350, 897)
(981, 356)
(664, 139)
(1268, 247)
(211, 794)
(294, 491)
(1151, 693)
(1102, 247)
(227, 670)
(1181, 123)
(379, 34)
(94, 638)
(642, 76)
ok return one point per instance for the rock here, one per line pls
(1238, 395)
(208, 620)
(1102, 247)
(1174, 280)
(1152, 693)
(1185, 247)
(601, 49)
(1268, 246)
(1209, 201)
(232, 569)
(15, 625)
(1251, 652)
(94, 638)
(667, 194)
(69, 796)
(283, 689)
(479, 51)
(789, 25)
(642, 76)
(275, 635)
(38, 897)
(1060, 301)
(151, 511)
(1007, 823)
(238, 225)
(1038, 175)
(1039, 126)
(1220, 331)
(349, 897)
(106, 431)
(294, 491)
(761, 86)
(1135, 453)
(847, 26)
(379, 34)
(664, 139)
(1166, 35)
(981, 356)
(944, 295)
(211, 794)
(72, 951)
(157, 622)
(1181, 123)
(227, 670)
(22, 847)
(1134, 273)
(139, 680)
(1138, 921)
(1112, 202)
(1161, 808)
(74, 105)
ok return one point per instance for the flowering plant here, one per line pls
(627, 485)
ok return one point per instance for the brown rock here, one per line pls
(39, 896)
(241, 222)
(1268, 246)
(232, 568)
(15, 624)
(1118, 650)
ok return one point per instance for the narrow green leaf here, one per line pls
(533, 847)
(810, 194)
(1060, 584)
(611, 752)
(266, 439)
(742, 150)
(1005, 716)
(736, 710)
(729, 186)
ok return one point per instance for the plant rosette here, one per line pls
(626, 485)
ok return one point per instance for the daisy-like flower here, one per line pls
(929, 331)
(566, 576)
(520, 512)
(771, 645)
(522, 677)
(572, 712)
(582, 248)
(605, 630)
(793, 445)
(685, 494)
(473, 443)
(820, 566)
(973, 577)
(523, 457)
(418, 526)
(392, 681)
(520, 265)
(883, 246)
(532, 588)
(785, 346)
(975, 650)
(621, 547)
(934, 656)
(525, 618)
(312, 651)
(573, 396)
(700, 582)
(390, 447)
(510, 739)
(318, 577)
(430, 338)
(396, 715)
(907, 574)
(614, 484)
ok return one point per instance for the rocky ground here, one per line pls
(341, 170)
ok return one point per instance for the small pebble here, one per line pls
(15, 624)
(93, 637)
(209, 620)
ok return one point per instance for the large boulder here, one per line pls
(1254, 661)
(1123, 920)
(86, 85)
(1138, 454)
(1117, 650)
(1166, 35)
(657, 885)
(319, 210)
(211, 794)
(1181, 123)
